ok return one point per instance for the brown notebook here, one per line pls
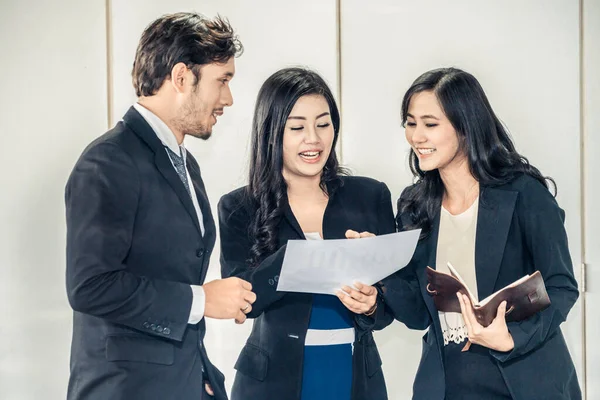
(524, 297)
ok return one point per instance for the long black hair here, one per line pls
(491, 154)
(267, 190)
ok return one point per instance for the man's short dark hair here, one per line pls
(184, 37)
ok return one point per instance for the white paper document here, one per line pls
(324, 266)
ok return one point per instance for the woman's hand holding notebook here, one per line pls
(524, 297)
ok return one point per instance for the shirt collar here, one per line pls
(162, 131)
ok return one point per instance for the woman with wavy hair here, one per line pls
(302, 346)
(485, 209)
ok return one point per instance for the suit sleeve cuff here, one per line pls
(198, 302)
(520, 339)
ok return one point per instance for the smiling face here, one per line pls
(430, 134)
(307, 138)
(201, 101)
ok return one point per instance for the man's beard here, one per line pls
(187, 122)
(199, 133)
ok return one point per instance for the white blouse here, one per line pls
(456, 244)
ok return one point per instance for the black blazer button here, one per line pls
(146, 325)
(166, 331)
(159, 329)
(200, 253)
(153, 327)
(271, 282)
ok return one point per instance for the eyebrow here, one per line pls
(228, 75)
(304, 118)
(423, 116)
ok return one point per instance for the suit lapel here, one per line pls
(431, 251)
(140, 127)
(430, 248)
(161, 159)
(496, 208)
(288, 215)
(433, 241)
(207, 218)
(203, 202)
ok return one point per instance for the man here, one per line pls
(140, 231)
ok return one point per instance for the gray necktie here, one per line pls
(180, 168)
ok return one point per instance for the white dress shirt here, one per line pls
(166, 136)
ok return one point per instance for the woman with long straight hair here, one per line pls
(302, 346)
(485, 209)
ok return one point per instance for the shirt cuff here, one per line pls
(198, 302)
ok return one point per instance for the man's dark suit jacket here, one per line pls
(134, 246)
(270, 364)
(519, 230)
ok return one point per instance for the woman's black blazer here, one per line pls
(270, 364)
(520, 229)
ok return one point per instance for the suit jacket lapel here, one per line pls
(433, 240)
(496, 208)
(288, 215)
(161, 159)
(203, 202)
(431, 250)
(140, 127)
(431, 255)
(209, 222)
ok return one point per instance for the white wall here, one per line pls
(529, 72)
(591, 93)
(52, 103)
(54, 64)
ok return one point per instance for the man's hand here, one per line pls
(228, 298)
